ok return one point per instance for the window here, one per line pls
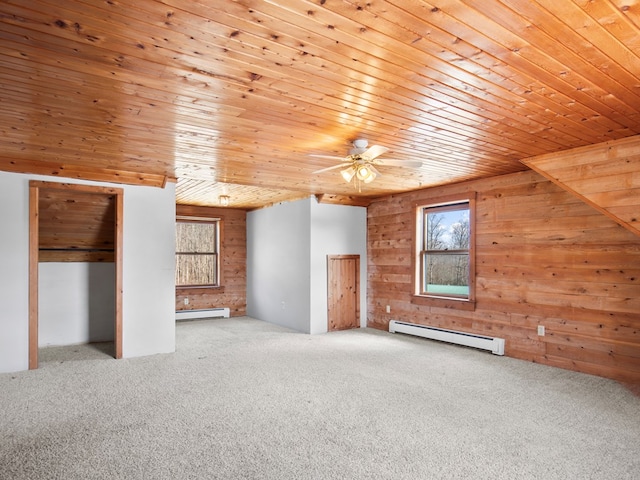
(197, 252)
(444, 263)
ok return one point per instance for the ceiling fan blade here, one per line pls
(374, 151)
(330, 157)
(329, 168)
(374, 170)
(392, 162)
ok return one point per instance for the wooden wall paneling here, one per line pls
(76, 226)
(543, 257)
(233, 291)
(118, 259)
(33, 275)
(606, 176)
(76, 256)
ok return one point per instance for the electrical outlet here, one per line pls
(388, 308)
(541, 330)
(186, 301)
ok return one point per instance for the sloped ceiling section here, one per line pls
(606, 176)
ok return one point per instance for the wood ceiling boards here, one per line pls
(231, 97)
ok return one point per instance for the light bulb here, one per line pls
(363, 172)
(370, 178)
(348, 173)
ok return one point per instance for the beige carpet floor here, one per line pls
(243, 399)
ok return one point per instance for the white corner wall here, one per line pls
(335, 230)
(76, 302)
(287, 248)
(278, 242)
(148, 269)
(148, 277)
(14, 272)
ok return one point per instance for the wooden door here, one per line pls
(343, 291)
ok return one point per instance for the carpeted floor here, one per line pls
(243, 399)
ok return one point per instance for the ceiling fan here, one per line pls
(360, 164)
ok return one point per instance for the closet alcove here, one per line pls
(75, 267)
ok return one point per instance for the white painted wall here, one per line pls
(287, 248)
(76, 303)
(148, 269)
(335, 230)
(149, 290)
(14, 272)
(278, 242)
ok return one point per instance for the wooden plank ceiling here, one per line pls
(231, 97)
(605, 176)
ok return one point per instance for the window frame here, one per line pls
(442, 300)
(218, 254)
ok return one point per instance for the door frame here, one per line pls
(35, 187)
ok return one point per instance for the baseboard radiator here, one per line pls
(203, 313)
(494, 345)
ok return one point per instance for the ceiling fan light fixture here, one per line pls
(348, 173)
(358, 166)
(365, 174)
(370, 178)
(359, 147)
(360, 143)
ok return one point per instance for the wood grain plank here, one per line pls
(609, 193)
(162, 89)
(577, 273)
(232, 293)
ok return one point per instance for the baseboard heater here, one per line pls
(203, 313)
(494, 345)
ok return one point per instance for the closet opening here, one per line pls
(75, 269)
